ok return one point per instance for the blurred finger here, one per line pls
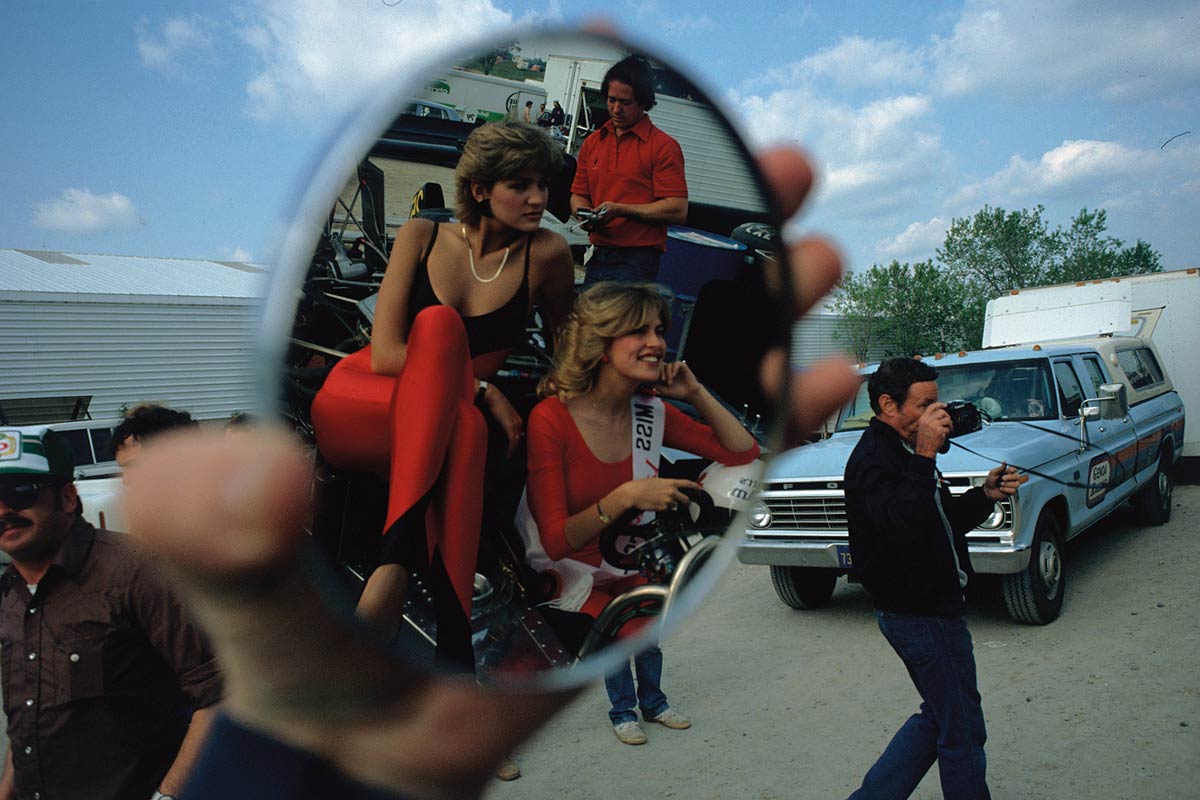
(815, 394)
(789, 175)
(220, 506)
(816, 269)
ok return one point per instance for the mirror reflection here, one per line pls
(526, 351)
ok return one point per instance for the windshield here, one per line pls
(1010, 390)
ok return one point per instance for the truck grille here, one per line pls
(819, 505)
(807, 513)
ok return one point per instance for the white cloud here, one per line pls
(1070, 166)
(867, 149)
(918, 240)
(1122, 50)
(856, 62)
(179, 37)
(237, 254)
(81, 211)
(313, 57)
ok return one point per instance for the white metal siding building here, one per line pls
(96, 333)
(814, 338)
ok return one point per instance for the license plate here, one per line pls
(843, 556)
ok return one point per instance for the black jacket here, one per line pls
(898, 541)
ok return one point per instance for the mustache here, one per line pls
(13, 521)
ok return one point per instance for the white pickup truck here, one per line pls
(1096, 422)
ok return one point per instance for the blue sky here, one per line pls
(183, 129)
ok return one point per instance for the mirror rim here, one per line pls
(352, 135)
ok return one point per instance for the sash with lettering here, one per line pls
(578, 577)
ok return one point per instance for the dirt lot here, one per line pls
(1104, 703)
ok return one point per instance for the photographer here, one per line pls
(908, 544)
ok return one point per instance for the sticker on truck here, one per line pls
(1099, 476)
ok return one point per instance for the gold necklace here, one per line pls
(471, 259)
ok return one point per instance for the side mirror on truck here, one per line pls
(1112, 403)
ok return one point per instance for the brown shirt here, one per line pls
(101, 670)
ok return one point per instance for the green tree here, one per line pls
(997, 251)
(924, 309)
(899, 308)
(1089, 254)
(860, 301)
(486, 61)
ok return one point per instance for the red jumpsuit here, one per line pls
(422, 429)
(565, 477)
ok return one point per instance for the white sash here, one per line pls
(578, 577)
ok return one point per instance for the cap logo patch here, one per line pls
(10, 445)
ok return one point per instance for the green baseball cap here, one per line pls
(35, 451)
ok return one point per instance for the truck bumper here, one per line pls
(998, 559)
(790, 553)
(985, 558)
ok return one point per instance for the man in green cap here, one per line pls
(108, 686)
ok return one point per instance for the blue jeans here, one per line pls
(949, 728)
(649, 696)
(623, 264)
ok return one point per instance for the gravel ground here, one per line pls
(1103, 703)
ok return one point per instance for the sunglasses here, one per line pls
(20, 496)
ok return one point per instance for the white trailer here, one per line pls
(1164, 306)
(487, 97)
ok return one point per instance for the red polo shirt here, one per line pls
(641, 165)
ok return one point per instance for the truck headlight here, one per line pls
(995, 520)
(760, 514)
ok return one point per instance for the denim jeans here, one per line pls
(623, 264)
(649, 696)
(949, 727)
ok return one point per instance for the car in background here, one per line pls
(97, 476)
(1094, 423)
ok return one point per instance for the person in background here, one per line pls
(908, 542)
(629, 183)
(109, 688)
(142, 423)
(528, 111)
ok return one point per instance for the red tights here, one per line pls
(422, 429)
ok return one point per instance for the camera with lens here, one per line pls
(964, 418)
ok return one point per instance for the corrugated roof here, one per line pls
(74, 273)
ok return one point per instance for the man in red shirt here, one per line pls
(629, 184)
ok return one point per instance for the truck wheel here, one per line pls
(804, 587)
(1035, 594)
(1153, 504)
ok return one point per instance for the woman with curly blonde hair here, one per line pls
(603, 406)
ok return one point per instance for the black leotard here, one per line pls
(496, 330)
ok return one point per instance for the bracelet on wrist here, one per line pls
(481, 391)
(605, 518)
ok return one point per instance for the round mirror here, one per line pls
(420, 317)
